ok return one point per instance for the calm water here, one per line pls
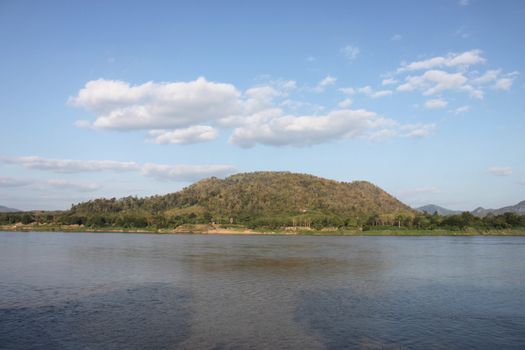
(131, 291)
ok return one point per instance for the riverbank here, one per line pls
(241, 230)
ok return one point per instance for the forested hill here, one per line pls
(250, 197)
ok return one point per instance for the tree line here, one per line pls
(134, 218)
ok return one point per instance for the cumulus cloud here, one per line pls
(191, 112)
(301, 131)
(464, 59)
(452, 73)
(434, 81)
(119, 105)
(350, 52)
(307, 130)
(436, 104)
(500, 170)
(185, 172)
(324, 83)
(506, 82)
(70, 165)
(192, 134)
(488, 77)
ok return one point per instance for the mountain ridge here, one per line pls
(518, 208)
(4, 209)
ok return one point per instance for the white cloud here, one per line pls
(324, 83)
(500, 171)
(185, 172)
(6, 181)
(192, 134)
(307, 130)
(396, 37)
(173, 113)
(501, 82)
(72, 186)
(118, 105)
(416, 130)
(453, 75)
(473, 92)
(433, 81)
(504, 84)
(49, 184)
(70, 165)
(462, 109)
(464, 59)
(436, 104)
(388, 81)
(350, 52)
(366, 90)
(489, 76)
(159, 171)
(347, 102)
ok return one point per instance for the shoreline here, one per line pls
(207, 230)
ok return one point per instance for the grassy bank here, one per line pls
(239, 229)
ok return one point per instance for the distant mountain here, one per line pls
(432, 208)
(480, 211)
(7, 210)
(517, 209)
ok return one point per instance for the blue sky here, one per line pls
(115, 98)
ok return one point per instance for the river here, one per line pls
(148, 291)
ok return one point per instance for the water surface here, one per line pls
(133, 291)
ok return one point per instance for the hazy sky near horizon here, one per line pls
(113, 98)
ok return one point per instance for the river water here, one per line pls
(139, 291)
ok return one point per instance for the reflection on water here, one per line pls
(100, 291)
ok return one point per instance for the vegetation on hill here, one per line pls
(270, 199)
(263, 200)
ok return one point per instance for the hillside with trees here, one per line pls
(271, 199)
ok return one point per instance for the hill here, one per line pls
(259, 198)
(7, 209)
(432, 208)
